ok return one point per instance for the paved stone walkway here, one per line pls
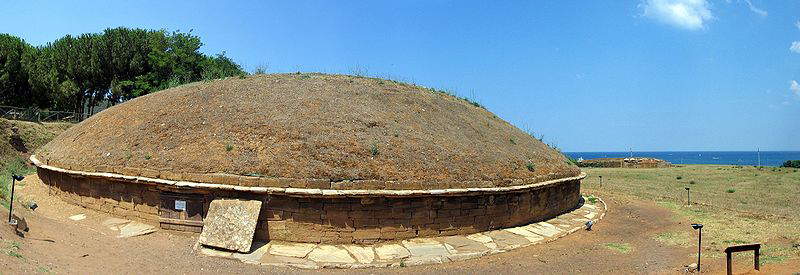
(416, 251)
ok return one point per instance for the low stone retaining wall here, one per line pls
(320, 215)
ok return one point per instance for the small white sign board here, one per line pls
(180, 205)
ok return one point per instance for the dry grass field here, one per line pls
(736, 204)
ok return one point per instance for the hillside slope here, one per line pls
(21, 138)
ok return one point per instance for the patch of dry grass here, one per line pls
(761, 210)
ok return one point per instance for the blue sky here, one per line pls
(589, 75)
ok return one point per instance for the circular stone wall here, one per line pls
(334, 159)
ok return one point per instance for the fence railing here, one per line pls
(37, 115)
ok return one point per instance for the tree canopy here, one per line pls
(75, 73)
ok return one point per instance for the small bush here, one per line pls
(592, 199)
(531, 167)
(512, 140)
(148, 157)
(791, 164)
(228, 147)
(679, 177)
(373, 150)
(730, 190)
(691, 182)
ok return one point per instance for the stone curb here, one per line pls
(421, 251)
(311, 192)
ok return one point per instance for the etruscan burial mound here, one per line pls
(333, 158)
(308, 126)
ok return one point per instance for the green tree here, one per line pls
(14, 87)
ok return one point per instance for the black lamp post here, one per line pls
(687, 196)
(698, 226)
(14, 178)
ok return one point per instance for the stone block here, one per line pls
(317, 183)
(149, 173)
(367, 233)
(249, 181)
(227, 179)
(230, 224)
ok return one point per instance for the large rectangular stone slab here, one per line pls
(230, 224)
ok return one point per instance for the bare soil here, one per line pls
(308, 126)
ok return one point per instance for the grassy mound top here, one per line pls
(317, 126)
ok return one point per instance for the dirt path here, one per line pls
(60, 245)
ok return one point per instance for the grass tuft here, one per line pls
(623, 248)
(373, 150)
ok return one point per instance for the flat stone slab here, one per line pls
(506, 240)
(230, 224)
(77, 217)
(416, 251)
(532, 237)
(391, 252)
(481, 238)
(298, 250)
(259, 250)
(425, 247)
(547, 230)
(277, 260)
(115, 223)
(363, 254)
(330, 254)
(133, 229)
(462, 244)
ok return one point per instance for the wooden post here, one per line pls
(756, 262)
(728, 258)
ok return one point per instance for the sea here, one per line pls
(767, 158)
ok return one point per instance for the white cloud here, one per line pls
(795, 47)
(687, 14)
(794, 87)
(755, 9)
(797, 24)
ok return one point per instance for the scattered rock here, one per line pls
(77, 217)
